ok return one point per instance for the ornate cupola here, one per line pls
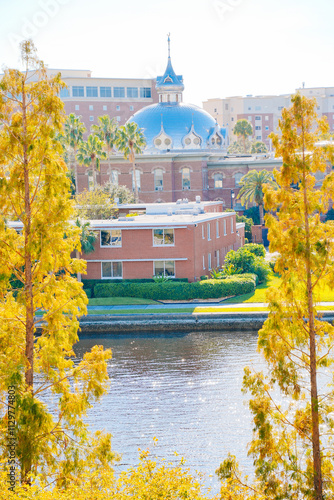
(169, 86)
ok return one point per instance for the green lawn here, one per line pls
(141, 311)
(259, 295)
(120, 301)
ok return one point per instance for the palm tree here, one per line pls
(87, 240)
(90, 153)
(130, 140)
(106, 131)
(243, 129)
(74, 130)
(252, 188)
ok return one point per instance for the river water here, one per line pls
(184, 389)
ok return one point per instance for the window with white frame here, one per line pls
(209, 261)
(91, 107)
(203, 262)
(91, 118)
(158, 179)
(111, 270)
(225, 233)
(185, 178)
(203, 232)
(111, 238)
(78, 91)
(232, 226)
(138, 172)
(163, 237)
(218, 260)
(132, 92)
(119, 91)
(91, 181)
(104, 108)
(237, 178)
(64, 92)
(91, 92)
(77, 107)
(145, 92)
(218, 181)
(164, 268)
(209, 232)
(114, 177)
(105, 91)
(217, 229)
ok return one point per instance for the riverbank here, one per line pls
(217, 319)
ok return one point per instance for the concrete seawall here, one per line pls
(133, 323)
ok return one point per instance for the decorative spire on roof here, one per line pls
(169, 85)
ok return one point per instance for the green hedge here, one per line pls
(90, 284)
(208, 289)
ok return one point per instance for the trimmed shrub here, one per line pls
(256, 249)
(208, 289)
(88, 292)
(90, 284)
(246, 261)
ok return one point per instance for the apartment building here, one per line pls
(91, 97)
(265, 111)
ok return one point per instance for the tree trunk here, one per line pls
(132, 158)
(261, 215)
(28, 285)
(77, 256)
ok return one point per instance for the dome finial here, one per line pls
(168, 40)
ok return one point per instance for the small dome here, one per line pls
(178, 122)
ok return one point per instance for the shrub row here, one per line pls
(208, 289)
(90, 284)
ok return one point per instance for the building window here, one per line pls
(131, 108)
(112, 270)
(78, 91)
(266, 127)
(209, 261)
(91, 92)
(237, 178)
(91, 118)
(64, 92)
(118, 108)
(77, 107)
(217, 229)
(91, 107)
(104, 108)
(258, 118)
(249, 118)
(225, 233)
(249, 109)
(209, 232)
(258, 127)
(218, 263)
(91, 182)
(257, 108)
(111, 238)
(232, 226)
(137, 180)
(203, 232)
(132, 92)
(164, 237)
(164, 268)
(218, 181)
(267, 118)
(105, 91)
(186, 178)
(280, 108)
(158, 179)
(119, 91)
(145, 92)
(258, 137)
(114, 177)
(118, 118)
(232, 119)
(203, 262)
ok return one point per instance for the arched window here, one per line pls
(138, 173)
(158, 179)
(185, 178)
(218, 181)
(237, 178)
(114, 177)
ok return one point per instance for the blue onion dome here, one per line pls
(173, 125)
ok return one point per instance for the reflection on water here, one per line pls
(182, 388)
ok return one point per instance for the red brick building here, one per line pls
(184, 245)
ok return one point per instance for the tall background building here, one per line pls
(264, 111)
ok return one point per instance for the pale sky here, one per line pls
(221, 47)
